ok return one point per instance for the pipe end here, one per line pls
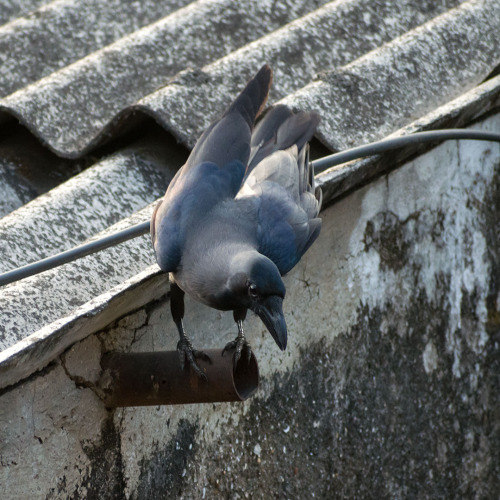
(246, 378)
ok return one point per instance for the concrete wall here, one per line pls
(389, 386)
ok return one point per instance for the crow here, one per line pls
(238, 215)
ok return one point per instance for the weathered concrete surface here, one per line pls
(39, 349)
(389, 386)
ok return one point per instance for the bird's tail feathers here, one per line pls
(310, 194)
(253, 97)
(266, 128)
(298, 130)
(307, 182)
(279, 130)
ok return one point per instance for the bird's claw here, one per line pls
(187, 353)
(239, 344)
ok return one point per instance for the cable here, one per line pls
(318, 165)
(74, 253)
(400, 142)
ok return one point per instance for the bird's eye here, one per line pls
(252, 290)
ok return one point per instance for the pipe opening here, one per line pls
(246, 378)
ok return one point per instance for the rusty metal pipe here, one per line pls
(156, 378)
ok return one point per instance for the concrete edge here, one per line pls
(38, 349)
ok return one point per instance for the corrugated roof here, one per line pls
(371, 68)
(12, 9)
(103, 194)
(69, 108)
(59, 33)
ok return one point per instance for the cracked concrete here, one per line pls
(389, 386)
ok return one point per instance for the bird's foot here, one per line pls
(240, 344)
(187, 353)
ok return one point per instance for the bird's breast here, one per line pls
(202, 284)
(205, 271)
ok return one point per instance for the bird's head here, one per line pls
(256, 284)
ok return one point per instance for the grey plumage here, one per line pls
(239, 214)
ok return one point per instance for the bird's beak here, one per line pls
(270, 311)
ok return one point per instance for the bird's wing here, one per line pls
(228, 138)
(286, 205)
(213, 172)
(185, 206)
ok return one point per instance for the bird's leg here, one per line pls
(240, 343)
(184, 347)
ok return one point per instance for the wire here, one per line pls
(400, 142)
(74, 253)
(318, 165)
